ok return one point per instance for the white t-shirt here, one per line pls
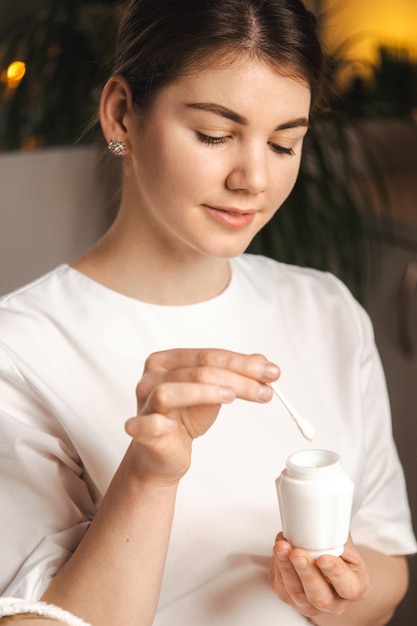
(71, 353)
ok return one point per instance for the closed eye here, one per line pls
(281, 150)
(215, 141)
(212, 141)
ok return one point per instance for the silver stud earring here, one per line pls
(117, 147)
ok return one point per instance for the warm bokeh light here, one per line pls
(369, 24)
(15, 73)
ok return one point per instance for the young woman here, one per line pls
(101, 505)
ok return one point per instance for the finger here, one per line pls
(245, 388)
(276, 582)
(349, 582)
(318, 592)
(291, 581)
(150, 427)
(254, 366)
(163, 451)
(169, 396)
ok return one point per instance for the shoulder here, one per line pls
(306, 296)
(299, 281)
(39, 304)
(38, 288)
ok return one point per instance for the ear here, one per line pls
(116, 104)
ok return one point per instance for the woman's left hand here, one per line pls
(328, 584)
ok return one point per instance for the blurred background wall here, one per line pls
(354, 210)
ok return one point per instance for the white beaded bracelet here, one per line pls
(17, 606)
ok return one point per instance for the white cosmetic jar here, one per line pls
(315, 499)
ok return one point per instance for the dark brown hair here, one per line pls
(159, 40)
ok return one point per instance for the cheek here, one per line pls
(193, 169)
(284, 181)
(292, 179)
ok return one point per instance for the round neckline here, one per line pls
(117, 295)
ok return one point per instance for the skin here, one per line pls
(361, 587)
(115, 574)
(206, 167)
(168, 229)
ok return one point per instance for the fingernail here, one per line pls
(227, 394)
(282, 555)
(265, 393)
(326, 566)
(270, 371)
(130, 426)
(299, 563)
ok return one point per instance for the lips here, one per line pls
(232, 217)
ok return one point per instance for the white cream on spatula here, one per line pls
(304, 426)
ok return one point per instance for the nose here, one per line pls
(250, 172)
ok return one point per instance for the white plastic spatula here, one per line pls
(304, 426)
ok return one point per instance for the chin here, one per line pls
(228, 252)
(229, 249)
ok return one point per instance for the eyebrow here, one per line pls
(218, 109)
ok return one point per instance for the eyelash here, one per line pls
(215, 141)
(212, 141)
(282, 150)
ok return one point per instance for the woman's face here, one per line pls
(215, 156)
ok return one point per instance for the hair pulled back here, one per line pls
(160, 40)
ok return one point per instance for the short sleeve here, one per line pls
(44, 501)
(382, 519)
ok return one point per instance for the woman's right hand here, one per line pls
(179, 398)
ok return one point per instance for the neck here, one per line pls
(129, 264)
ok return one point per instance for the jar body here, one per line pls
(315, 500)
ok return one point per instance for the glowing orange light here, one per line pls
(15, 73)
(365, 26)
